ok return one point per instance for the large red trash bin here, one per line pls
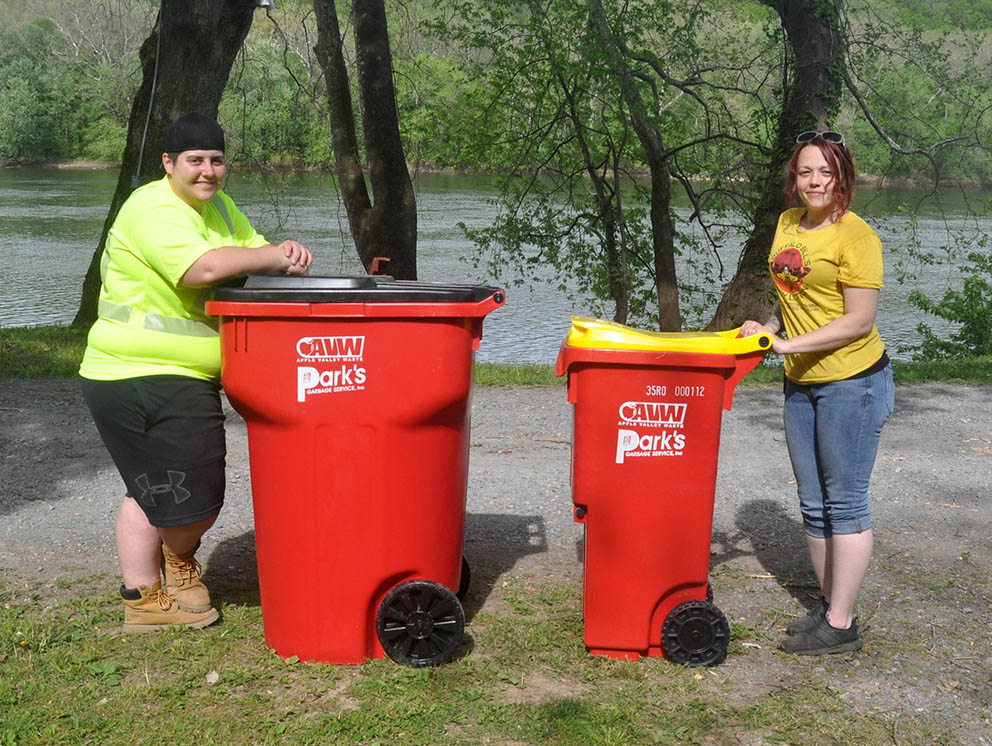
(646, 434)
(355, 393)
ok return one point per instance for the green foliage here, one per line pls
(947, 370)
(554, 119)
(549, 104)
(66, 87)
(943, 15)
(544, 105)
(22, 108)
(928, 91)
(437, 97)
(274, 101)
(29, 41)
(39, 96)
(508, 376)
(971, 307)
(103, 139)
(41, 351)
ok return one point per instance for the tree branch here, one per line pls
(927, 152)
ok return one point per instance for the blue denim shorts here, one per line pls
(832, 430)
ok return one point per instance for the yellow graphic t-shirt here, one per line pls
(810, 270)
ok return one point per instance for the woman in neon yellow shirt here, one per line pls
(152, 363)
(826, 264)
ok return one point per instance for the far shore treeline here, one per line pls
(68, 75)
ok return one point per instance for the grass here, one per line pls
(66, 678)
(55, 352)
(41, 352)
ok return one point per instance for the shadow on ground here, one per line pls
(494, 543)
(768, 533)
(232, 572)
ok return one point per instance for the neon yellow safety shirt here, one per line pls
(148, 323)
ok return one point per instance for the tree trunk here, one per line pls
(662, 228)
(344, 141)
(607, 202)
(812, 95)
(185, 65)
(386, 224)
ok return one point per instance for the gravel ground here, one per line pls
(926, 608)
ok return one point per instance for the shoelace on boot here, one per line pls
(185, 569)
(163, 599)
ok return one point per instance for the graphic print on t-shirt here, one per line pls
(789, 267)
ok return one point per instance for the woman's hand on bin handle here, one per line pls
(750, 327)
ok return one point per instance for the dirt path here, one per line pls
(926, 608)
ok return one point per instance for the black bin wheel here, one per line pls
(420, 623)
(465, 580)
(695, 633)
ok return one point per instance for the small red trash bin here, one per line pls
(355, 393)
(646, 434)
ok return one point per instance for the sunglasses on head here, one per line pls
(835, 137)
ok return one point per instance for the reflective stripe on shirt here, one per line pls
(221, 208)
(158, 323)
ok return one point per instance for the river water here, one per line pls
(50, 223)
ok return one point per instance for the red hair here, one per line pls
(841, 165)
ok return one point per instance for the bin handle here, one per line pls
(378, 266)
(600, 334)
(761, 341)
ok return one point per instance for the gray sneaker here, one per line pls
(808, 620)
(823, 639)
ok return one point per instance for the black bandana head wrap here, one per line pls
(193, 131)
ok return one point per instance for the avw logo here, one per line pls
(654, 414)
(331, 348)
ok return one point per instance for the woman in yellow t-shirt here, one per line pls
(826, 263)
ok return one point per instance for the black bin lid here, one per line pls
(349, 289)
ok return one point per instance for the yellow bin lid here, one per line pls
(599, 334)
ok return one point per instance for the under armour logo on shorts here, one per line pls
(174, 485)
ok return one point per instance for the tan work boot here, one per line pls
(155, 609)
(182, 581)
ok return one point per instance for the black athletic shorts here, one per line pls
(166, 436)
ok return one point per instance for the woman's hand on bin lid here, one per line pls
(299, 257)
(224, 262)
